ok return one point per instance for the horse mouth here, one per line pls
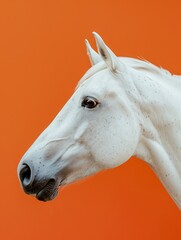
(48, 192)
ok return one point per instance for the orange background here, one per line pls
(42, 56)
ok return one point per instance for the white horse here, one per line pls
(122, 107)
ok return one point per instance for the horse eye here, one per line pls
(89, 102)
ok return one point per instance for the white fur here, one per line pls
(139, 115)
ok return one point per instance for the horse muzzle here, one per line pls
(44, 189)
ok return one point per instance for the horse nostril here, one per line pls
(25, 175)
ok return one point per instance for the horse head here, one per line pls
(96, 129)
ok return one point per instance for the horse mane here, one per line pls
(153, 71)
(141, 65)
(145, 66)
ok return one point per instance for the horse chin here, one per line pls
(48, 192)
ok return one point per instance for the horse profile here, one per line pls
(122, 107)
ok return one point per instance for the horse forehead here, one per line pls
(99, 81)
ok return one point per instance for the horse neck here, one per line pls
(159, 113)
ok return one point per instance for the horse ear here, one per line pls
(107, 55)
(93, 56)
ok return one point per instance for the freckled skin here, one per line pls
(137, 115)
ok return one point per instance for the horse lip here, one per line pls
(61, 182)
(48, 192)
